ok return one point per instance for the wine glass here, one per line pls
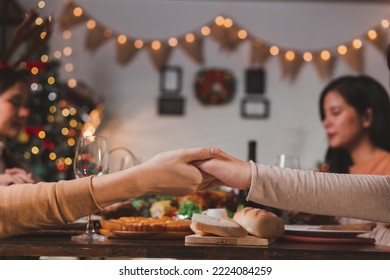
(91, 158)
(287, 161)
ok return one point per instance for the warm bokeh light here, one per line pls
(307, 56)
(107, 33)
(35, 150)
(172, 42)
(41, 134)
(156, 45)
(51, 80)
(228, 22)
(64, 131)
(91, 24)
(342, 50)
(34, 70)
(242, 34)
(205, 30)
(274, 50)
(372, 34)
(385, 23)
(325, 55)
(68, 160)
(52, 109)
(43, 35)
(72, 123)
(65, 112)
(52, 156)
(190, 37)
(138, 44)
(289, 55)
(71, 142)
(72, 83)
(72, 111)
(122, 39)
(357, 43)
(67, 34)
(77, 12)
(50, 119)
(44, 58)
(41, 4)
(38, 21)
(219, 20)
(67, 51)
(69, 67)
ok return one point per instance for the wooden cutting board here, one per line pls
(220, 240)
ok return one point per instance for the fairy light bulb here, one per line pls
(107, 33)
(172, 42)
(38, 21)
(205, 30)
(122, 39)
(34, 70)
(357, 43)
(69, 67)
(52, 156)
(41, 4)
(138, 44)
(342, 50)
(77, 12)
(307, 56)
(290, 55)
(385, 23)
(228, 23)
(242, 34)
(67, 51)
(44, 58)
(57, 54)
(72, 83)
(91, 24)
(190, 37)
(372, 34)
(156, 45)
(219, 20)
(67, 34)
(274, 50)
(325, 55)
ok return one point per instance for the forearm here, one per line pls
(27, 207)
(357, 196)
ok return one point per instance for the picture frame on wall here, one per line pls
(171, 79)
(255, 80)
(255, 107)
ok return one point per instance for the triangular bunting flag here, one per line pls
(290, 67)
(193, 49)
(324, 67)
(68, 19)
(259, 52)
(381, 40)
(160, 56)
(125, 52)
(97, 36)
(354, 58)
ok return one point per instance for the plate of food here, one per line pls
(338, 231)
(145, 228)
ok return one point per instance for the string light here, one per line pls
(77, 12)
(44, 58)
(172, 42)
(51, 80)
(325, 55)
(66, 34)
(41, 134)
(228, 23)
(71, 142)
(57, 54)
(72, 111)
(385, 23)
(65, 112)
(43, 35)
(67, 51)
(138, 44)
(307, 56)
(35, 150)
(52, 156)
(190, 37)
(122, 39)
(34, 70)
(69, 67)
(290, 55)
(107, 33)
(205, 30)
(156, 45)
(274, 50)
(342, 50)
(41, 4)
(372, 34)
(38, 21)
(72, 83)
(68, 161)
(219, 20)
(91, 24)
(357, 43)
(242, 34)
(52, 109)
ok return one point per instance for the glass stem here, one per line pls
(90, 227)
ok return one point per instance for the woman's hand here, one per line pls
(15, 176)
(172, 172)
(227, 170)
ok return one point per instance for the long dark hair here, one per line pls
(10, 76)
(361, 92)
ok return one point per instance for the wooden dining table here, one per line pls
(63, 246)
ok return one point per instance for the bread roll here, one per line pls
(259, 222)
(217, 226)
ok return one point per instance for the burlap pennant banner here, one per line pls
(354, 59)
(380, 41)
(160, 57)
(290, 67)
(194, 49)
(125, 52)
(68, 19)
(259, 52)
(324, 67)
(97, 36)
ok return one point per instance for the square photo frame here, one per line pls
(171, 79)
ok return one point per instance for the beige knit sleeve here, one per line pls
(356, 196)
(27, 207)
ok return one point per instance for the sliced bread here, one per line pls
(217, 226)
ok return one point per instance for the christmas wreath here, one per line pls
(214, 86)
